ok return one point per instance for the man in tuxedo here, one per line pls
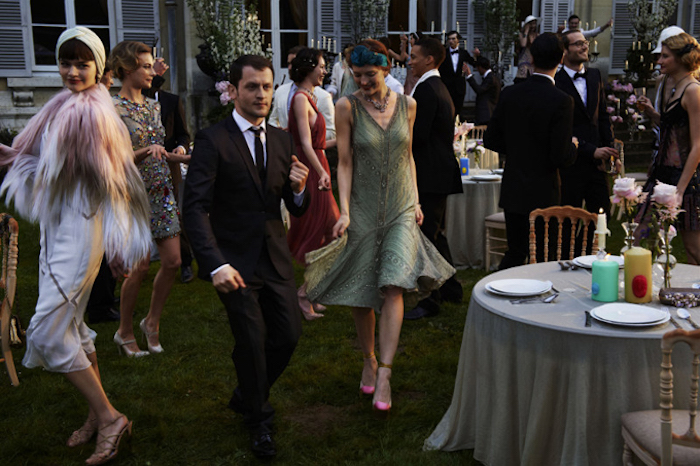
(586, 179)
(487, 91)
(282, 100)
(437, 169)
(531, 125)
(241, 168)
(453, 69)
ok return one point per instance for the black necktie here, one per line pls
(259, 153)
(579, 75)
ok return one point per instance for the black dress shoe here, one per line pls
(236, 404)
(108, 315)
(418, 312)
(262, 445)
(186, 274)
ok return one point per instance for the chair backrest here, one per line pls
(668, 438)
(9, 232)
(575, 215)
(478, 132)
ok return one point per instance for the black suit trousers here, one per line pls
(433, 207)
(518, 238)
(266, 324)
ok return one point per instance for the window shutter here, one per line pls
(345, 31)
(326, 16)
(695, 19)
(138, 20)
(622, 36)
(554, 13)
(479, 24)
(14, 37)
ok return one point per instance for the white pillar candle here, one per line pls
(602, 229)
(595, 46)
(432, 27)
(594, 23)
(457, 27)
(586, 26)
(312, 43)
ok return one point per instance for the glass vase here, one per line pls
(665, 262)
(629, 228)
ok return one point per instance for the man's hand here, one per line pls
(476, 52)
(160, 67)
(227, 279)
(117, 268)
(298, 175)
(574, 141)
(466, 69)
(605, 153)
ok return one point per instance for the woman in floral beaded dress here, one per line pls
(132, 63)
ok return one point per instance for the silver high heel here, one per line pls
(121, 344)
(146, 334)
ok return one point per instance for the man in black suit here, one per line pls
(240, 170)
(532, 127)
(487, 91)
(437, 170)
(586, 179)
(453, 69)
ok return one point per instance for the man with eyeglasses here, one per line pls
(586, 179)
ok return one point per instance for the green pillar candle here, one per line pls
(605, 281)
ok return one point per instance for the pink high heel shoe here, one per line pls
(381, 408)
(367, 389)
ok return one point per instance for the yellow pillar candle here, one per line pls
(638, 275)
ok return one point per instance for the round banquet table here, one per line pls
(535, 386)
(464, 220)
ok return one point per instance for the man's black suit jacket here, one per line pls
(487, 94)
(437, 169)
(229, 215)
(591, 125)
(454, 80)
(532, 127)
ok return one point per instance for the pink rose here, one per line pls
(611, 98)
(610, 110)
(224, 98)
(665, 195)
(625, 188)
(631, 100)
(222, 86)
(628, 87)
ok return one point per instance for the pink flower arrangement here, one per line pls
(610, 110)
(627, 193)
(632, 99)
(222, 87)
(666, 202)
(462, 130)
(619, 87)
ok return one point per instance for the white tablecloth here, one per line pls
(535, 386)
(464, 220)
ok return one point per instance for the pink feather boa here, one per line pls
(77, 152)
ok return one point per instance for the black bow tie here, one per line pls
(454, 51)
(580, 75)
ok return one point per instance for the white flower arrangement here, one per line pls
(228, 30)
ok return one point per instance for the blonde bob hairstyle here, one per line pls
(125, 57)
(686, 49)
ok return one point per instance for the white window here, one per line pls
(555, 13)
(29, 29)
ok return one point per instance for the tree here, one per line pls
(501, 29)
(368, 19)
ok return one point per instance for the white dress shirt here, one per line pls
(454, 57)
(424, 76)
(579, 83)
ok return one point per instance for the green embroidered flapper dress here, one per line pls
(383, 245)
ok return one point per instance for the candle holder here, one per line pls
(665, 262)
(593, 57)
(629, 228)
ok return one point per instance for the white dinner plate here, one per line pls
(497, 171)
(587, 261)
(630, 314)
(486, 178)
(518, 287)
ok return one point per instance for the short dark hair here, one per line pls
(255, 61)
(547, 51)
(75, 49)
(296, 49)
(432, 47)
(565, 37)
(459, 36)
(573, 17)
(483, 62)
(417, 35)
(304, 63)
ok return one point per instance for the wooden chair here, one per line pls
(562, 213)
(9, 231)
(653, 443)
(478, 132)
(496, 244)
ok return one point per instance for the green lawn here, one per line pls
(177, 400)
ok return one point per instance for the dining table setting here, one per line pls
(554, 353)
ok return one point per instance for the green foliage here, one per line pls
(219, 112)
(7, 135)
(368, 19)
(502, 27)
(648, 19)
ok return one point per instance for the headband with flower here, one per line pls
(686, 49)
(362, 56)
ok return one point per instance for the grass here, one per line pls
(177, 400)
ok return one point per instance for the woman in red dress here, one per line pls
(314, 229)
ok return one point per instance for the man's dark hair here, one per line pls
(483, 62)
(573, 17)
(565, 37)
(255, 61)
(296, 49)
(432, 47)
(547, 51)
(459, 36)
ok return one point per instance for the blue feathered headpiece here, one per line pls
(362, 56)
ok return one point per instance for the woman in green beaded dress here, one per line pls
(132, 62)
(380, 252)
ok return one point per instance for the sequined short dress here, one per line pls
(145, 128)
(383, 245)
